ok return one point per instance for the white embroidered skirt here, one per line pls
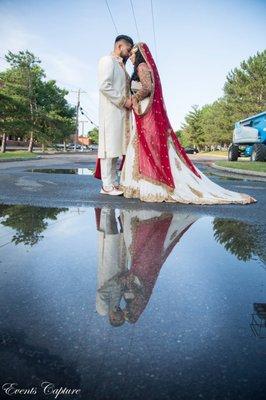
(188, 187)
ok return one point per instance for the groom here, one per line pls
(114, 113)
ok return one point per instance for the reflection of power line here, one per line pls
(5, 244)
(112, 18)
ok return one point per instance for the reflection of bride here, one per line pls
(156, 167)
(130, 259)
(150, 236)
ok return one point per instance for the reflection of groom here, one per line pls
(111, 266)
(115, 103)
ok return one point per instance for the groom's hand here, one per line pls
(128, 103)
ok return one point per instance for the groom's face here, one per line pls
(125, 49)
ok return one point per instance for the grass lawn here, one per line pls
(258, 166)
(17, 154)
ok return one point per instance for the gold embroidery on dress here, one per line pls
(214, 195)
(140, 45)
(137, 174)
(127, 115)
(195, 179)
(196, 192)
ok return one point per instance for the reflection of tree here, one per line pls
(28, 221)
(241, 239)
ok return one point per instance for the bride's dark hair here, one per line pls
(139, 59)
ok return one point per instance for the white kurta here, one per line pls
(112, 114)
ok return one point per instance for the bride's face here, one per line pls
(132, 57)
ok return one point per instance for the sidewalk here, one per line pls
(239, 171)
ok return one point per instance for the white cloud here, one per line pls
(65, 67)
(14, 36)
(61, 66)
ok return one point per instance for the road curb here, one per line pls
(239, 171)
(21, 159)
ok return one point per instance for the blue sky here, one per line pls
(198, 42)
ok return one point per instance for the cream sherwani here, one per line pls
(113, 87)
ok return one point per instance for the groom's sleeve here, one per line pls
(106, 72)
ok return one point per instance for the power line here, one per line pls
(134, 16)
(106, 2)
(153, 28)
(86, 115)
(71, 85)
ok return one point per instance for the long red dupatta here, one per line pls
(154, 130)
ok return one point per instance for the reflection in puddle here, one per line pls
(134, 245)
(258, 323)
(241, 239)
(29, 223)
(75, 171)
(107, 299)
(132, 250)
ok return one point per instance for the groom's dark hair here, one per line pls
(125, 38)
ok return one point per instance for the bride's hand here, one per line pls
(135, 104)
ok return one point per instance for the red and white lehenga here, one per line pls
(156, 167)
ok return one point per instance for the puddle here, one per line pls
(128, 304)
(75, 171)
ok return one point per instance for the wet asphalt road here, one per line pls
(19, 185)
(194, 327)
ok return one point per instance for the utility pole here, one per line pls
(77, 122)
(83, 122)
(77, 116)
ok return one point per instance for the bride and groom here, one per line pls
(154, 167)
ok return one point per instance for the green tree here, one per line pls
(94, 135)
(27, 64)
(183, 138)
(193, 127)
(216, 123)
(56, 118)
(245, 87)
(244, 95)
(14, 115)
(34, 108)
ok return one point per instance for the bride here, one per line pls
(156, 167)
